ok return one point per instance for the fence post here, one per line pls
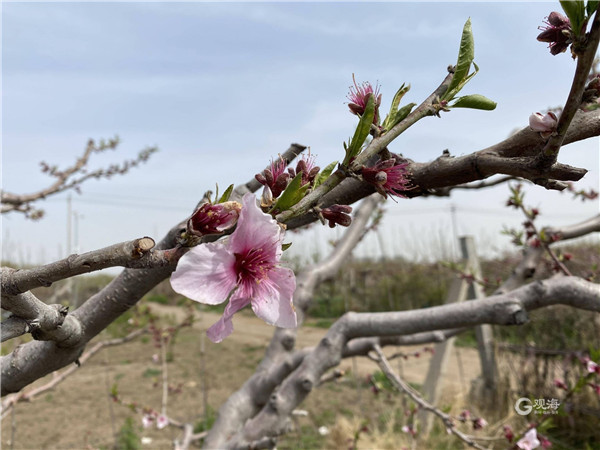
(460, 290)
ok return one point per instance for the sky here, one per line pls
(221, 88)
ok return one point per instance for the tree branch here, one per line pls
(509, 309)
(134, 254)
(423, 404)
(66, 179)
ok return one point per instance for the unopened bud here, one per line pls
(213, 219)
(337, 214)
(266, 199)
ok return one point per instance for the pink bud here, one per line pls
(545, 124)
(213, 219)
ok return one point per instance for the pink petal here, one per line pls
(255, 229)
(224, 326)
(272, 300)
(205, 274)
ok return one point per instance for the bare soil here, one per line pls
(79, 413)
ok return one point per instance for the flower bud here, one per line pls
(213, 219)
(337, 214)
(545, 124)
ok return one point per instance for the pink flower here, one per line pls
(557, 33)
(479, 423)
(359, 97)
(213, 219)
(388, 177)
(161, 422)
(245, 270)
(592, 367)
(147, 420)
(544, 441)
(561, 384)
(276, 178)
(529, 441)
(508, 433)
(545, 124)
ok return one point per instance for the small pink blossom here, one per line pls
(529, 441)
(508, 433)
(561, 384)
(545, 124)
(479, 423)
(245, 270)
(592, 367)
(147, 420)
(359, 96)
(544, 441)
(557, 32)
(162, 421)
(275, 177)
(389, 177)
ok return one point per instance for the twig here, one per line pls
(67, 178)
(423, 404)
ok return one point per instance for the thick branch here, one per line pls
(509, 309)
(35, 359)
(13, 399)
(45, 322)
(134, 254)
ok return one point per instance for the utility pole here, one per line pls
(454, 232)
(69, 216)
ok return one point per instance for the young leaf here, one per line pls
(293, 193)
(466, 54)
(591, 6)
(284, 247)
(362, 130)
(324, 174)
(226, 194)
(394, 106)
(402, 113)
(474, 101)
(575, 11)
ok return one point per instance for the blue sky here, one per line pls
(221, 88)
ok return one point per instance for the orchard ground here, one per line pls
(79, 413)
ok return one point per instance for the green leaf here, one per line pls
(592, 6)
(293, 193)
(389, 120)
(284, 247)
(466, 54)
(324, 174)
(226, 194)
(362, 131)
(474, 101)
(402, 113)
(575, 11)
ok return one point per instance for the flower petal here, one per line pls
(224, 326)
(272, 300)
(205, 274)
(255, 229)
